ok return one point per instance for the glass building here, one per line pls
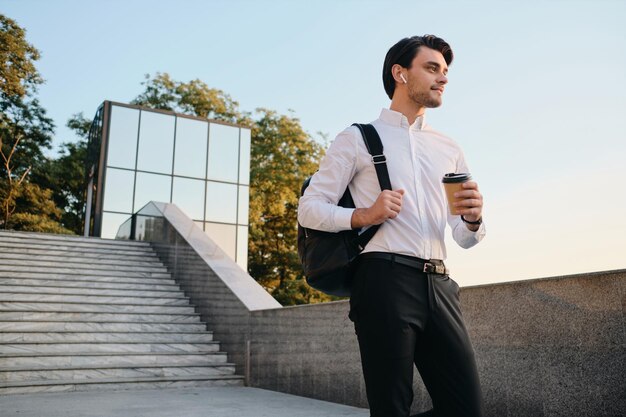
(137, 155)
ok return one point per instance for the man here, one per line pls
(403, 315)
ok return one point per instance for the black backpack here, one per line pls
(328, 258)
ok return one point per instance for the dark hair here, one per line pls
(405, 50)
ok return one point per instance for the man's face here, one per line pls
(427, 77)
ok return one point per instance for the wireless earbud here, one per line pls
(403, 79)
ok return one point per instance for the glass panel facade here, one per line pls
(224, 235)
(152, 187)
(122, 147)
(147, 227)
(223, 153)
(111, 222)
(118, 194)
(244, 157)
(221, 202)
(191, 148)
(188, 195)
(156, 142)
(124, 231)
(199, 165)
(244, 204)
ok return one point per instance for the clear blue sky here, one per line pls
(536, 96)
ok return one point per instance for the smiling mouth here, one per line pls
(439, 90)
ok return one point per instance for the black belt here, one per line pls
(433, 266)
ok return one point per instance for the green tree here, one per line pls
(37, 211)
(193, 97)
(65, 175)
(17, 68)
(9, 186)
(283, 155)
(25, 130)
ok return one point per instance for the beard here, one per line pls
(425, 99)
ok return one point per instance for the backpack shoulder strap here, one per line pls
(375, 147)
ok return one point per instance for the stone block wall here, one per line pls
(551, 347)
(546, 347)
(307, 350)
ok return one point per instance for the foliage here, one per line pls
(37, 223)
(36, 210)
(17, 68)
(282, 156)
(193, 97)
(9, 187)
(24, 127)
(65, 175)
(25, 130)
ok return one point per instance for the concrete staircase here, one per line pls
(90, 314)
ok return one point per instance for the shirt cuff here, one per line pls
(476, 236)
(465, 237)
(342, 218)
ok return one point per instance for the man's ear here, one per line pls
(397, 73)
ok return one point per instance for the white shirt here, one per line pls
(417, 159)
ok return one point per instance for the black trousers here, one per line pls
(404, 317)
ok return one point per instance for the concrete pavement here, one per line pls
(183, 402)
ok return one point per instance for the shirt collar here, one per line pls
(398, 119)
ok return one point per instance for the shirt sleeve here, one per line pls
(463, 236)
(318, 208)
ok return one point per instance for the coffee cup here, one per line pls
(453, 183)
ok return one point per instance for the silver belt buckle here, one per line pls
(431, 268)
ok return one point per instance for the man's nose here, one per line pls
(443, 79)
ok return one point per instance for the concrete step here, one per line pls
(29, 289)
(83, 253)
(61, 263)
(8, 257)
(64, 283)
(73, 239)
(105, 337)
(10, 270)
(79, 327)
(82, 314)
(14, 374)
(120, 384)
(93, 299)
(36, 248)
(117, 278)
(75, 245)
(100, 347)
(112, 359)
(93, 307)
(9, 318)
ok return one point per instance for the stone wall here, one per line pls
(551, 347)
(546, 347)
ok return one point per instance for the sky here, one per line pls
(536, 96)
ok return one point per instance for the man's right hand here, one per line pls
(387, 206)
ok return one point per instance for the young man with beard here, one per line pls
(404, 305)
